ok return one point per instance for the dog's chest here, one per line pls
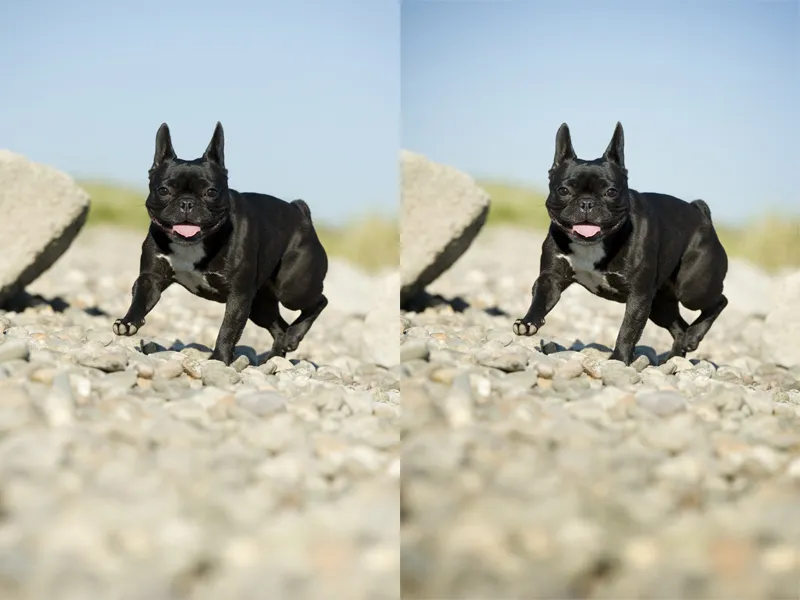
(184, 260)
(584, 260)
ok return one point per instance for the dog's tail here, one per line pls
(703, 208)
(302, 207)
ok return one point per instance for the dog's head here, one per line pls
(188, 198)
(588, 199)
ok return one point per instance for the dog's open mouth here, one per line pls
(185, 230)
(586, 230)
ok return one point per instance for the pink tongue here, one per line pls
(586, 231)
(186, 231)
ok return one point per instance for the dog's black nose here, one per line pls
(586, 205)
(186, 205)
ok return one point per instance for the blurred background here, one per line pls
(707, 93)
(308, 93)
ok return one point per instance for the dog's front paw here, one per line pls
(523, 327)
(122, 327)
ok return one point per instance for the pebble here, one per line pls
(218, 375)
(14, 349)
(619, 375)
(169, 369)
(262, 404)
(507, 362)
(579, 476)
(413, 349)
(137, 463)
(192, 368)
(569, 370)
(108, 362)
(592, 368)
(661, 403)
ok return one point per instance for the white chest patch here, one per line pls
(583, 260)
(183, 260)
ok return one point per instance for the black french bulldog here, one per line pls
(249, 251)
(647, 250)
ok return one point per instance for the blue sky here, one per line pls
(707, 92)
(308, 91)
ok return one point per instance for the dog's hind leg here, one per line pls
(665, 313)
(699, 281)
(700, 326)
(265, 313)
(299, 328)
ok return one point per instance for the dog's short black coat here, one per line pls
(649, 251)
(249, 251)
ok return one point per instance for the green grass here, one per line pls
(114, 204)
(371, 241)
(515, 205)
(772, 241)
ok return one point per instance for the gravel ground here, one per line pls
(134, 468)
(561, 474)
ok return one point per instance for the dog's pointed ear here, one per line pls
(616, 147)
(164, 149)
(564, 149)
(216, 147)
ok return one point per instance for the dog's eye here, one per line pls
(562, 191)
(211, 192)
(162, 191)
(611, 193)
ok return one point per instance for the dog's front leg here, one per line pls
(146, 292)
(237, 311)
(637, 311)
(545, 294)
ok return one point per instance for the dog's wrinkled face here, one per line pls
(188, 198)
(588, 199)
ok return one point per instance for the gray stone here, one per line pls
(104, 361)
(104, 336)
(507, 361)
(262, 404)
(442, 212)
(413, 349)
(516, 485)
(640, 363)
(359, 402)
(58, 406)
(662, 404)
(240, 363)
(209, 476)
(728, 373)
(169, 369)
(43, 210)
(379, 343)
(780, 339)
(619, 375)
(192, 368)
(219, 375)
(592, 368)
(569, 369)
(277, 364)
(457, 403)
(12, 349)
